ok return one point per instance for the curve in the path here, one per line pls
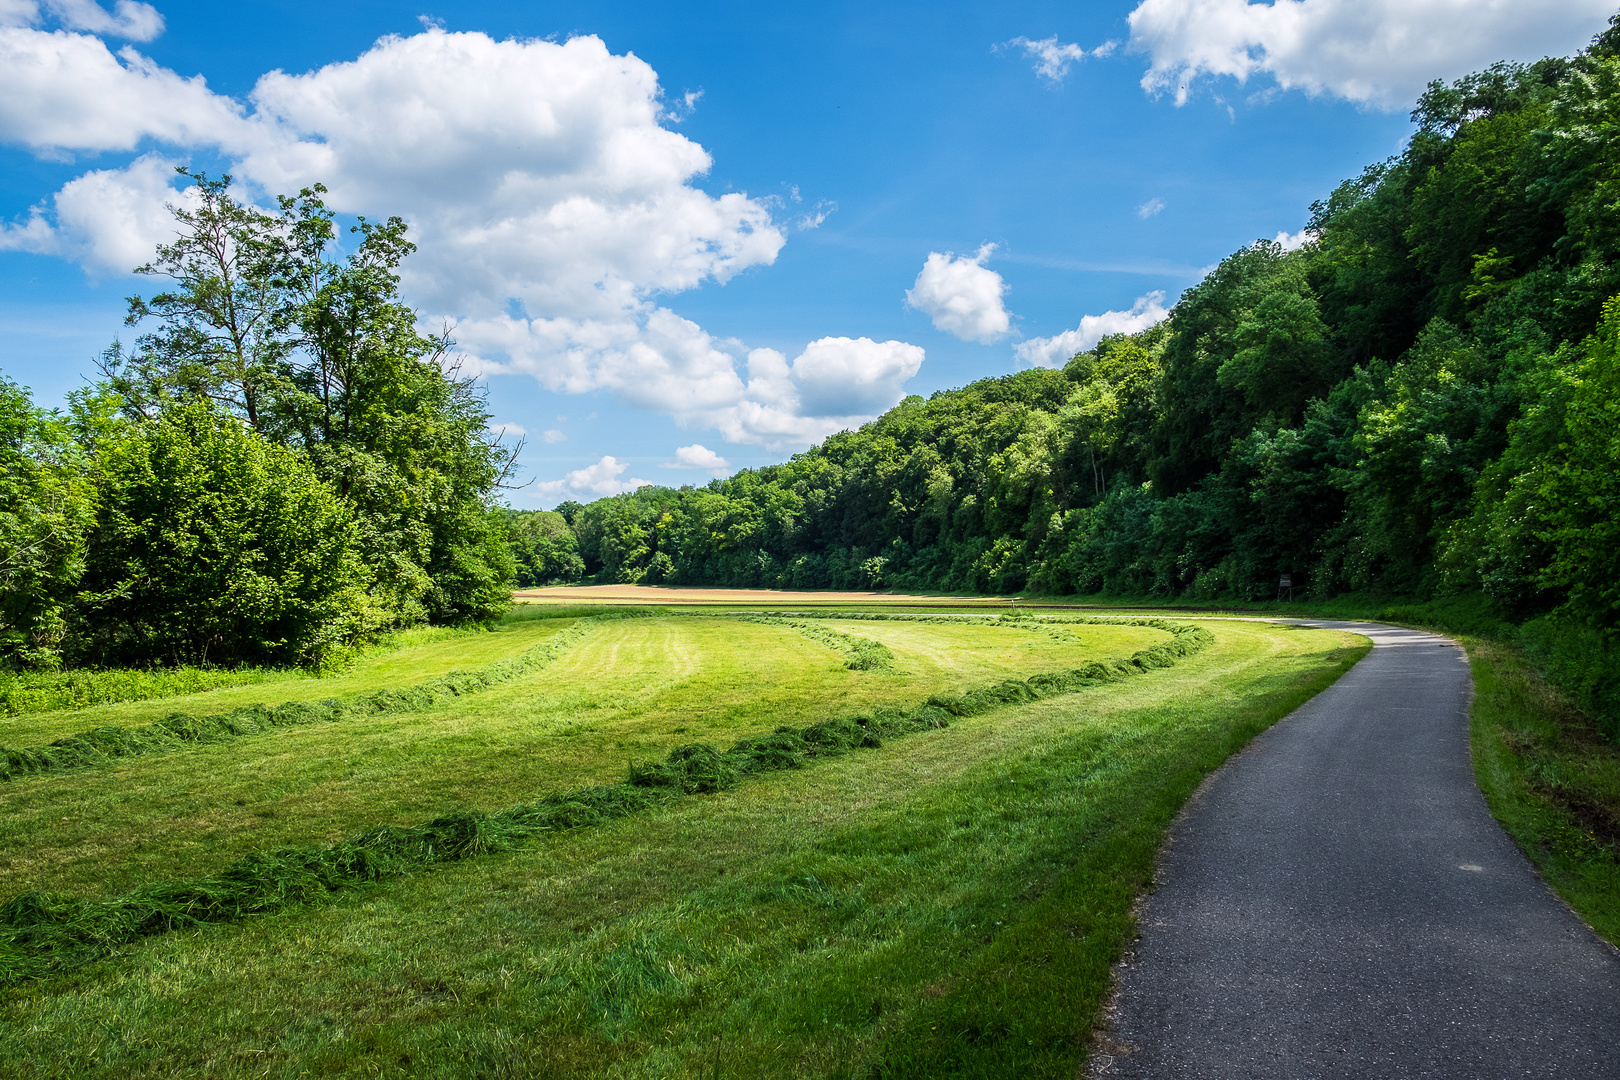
(1337, 901)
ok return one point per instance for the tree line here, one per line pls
(281, 465)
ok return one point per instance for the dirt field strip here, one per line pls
(647, 594)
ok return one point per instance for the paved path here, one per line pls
(1338, 902)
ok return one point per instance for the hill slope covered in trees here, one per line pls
(1420, 401)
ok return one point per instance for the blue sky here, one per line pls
(679, 239)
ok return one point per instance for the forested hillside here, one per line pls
(1422, 400)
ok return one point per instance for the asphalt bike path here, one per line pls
(1337, 901)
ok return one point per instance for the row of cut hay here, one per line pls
(1018, 620)
(102, 745)
(42, 935)
(863, 654)
(1050, 625)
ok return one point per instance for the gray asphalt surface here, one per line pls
(1338, 902)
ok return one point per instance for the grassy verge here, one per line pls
(947, 906)
(102, 745)
(36, 692)
(1544, 748)
(1550, 779)
(404, 659)
(24, 693)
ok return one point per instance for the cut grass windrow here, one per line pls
(43, 935)
(864, 654)
(102, 745)
(869, 655)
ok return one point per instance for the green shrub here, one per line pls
(216, 546)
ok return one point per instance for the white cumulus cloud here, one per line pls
(128, 18)
(840, 376)
(698, 456)
(111, 220)
(537, 177)
(962, 296)
(529, 170)
(1149, 208)
(1055, 351)
(552, 435)
(664, 363)
(1294, 241)
(1380, 53)
(1053, 57)
(62, 92)
(592, 482)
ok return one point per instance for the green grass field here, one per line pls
(948, 904)
(408, 657)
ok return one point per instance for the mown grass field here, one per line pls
(947, 904)
(408, 657)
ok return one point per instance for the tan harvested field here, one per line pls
(651, 594)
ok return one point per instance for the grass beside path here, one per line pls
(1550, 771)
(1550, 779)
(947, 906)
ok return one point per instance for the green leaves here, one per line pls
(47, 504)
(316, 353)
(1582, 490)
(214, 545)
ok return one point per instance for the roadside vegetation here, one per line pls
(1552, 780)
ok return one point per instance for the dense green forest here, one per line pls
(280, 467)
(1421, 401)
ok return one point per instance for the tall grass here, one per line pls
(32, 692)
(1551, 780)
(27, 692)
(1581, 661)
(523, 613)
